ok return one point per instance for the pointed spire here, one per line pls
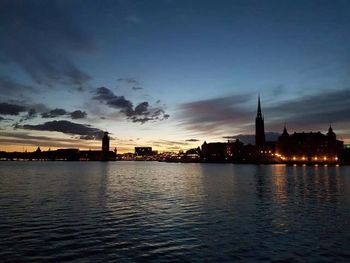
(259, 115)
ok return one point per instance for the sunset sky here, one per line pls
(169, 74)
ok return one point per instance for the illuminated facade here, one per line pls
(309, 147)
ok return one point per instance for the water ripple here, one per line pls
(136, 211)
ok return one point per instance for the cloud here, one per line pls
(136, 88)
(118, 102)
(5, 119)
(162, 142)
(215, 115)
(142, 113)
(142, 108)
(54, 113)
(221, 115)
(22, 138)
(78, 114)
(32, 113)
(41, 37)
(8, 87)
(11, 109)
(319, 108)
(192, 140)
(67, 127)
(128, 81)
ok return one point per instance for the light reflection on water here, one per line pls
(122, 211)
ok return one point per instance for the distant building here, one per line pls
(214, 151)
(143, 151)
(259, 128)
(309, 147)
(223, 151)
(105, 147)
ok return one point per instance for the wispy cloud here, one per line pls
(318, 108)
(9, 87)
(137, 88)
(22, 138)
(222, 115)
(215, 115)
(128, 81)
(192, 140)
(46, 58)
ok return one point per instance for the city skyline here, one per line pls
(169, 74)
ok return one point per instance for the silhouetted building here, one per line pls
(105, 147)
(309, 147)
(214, 152)
(66, 155)
(259, 127)
(143, 151)
(223, 152)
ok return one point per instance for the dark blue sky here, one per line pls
(171, 71)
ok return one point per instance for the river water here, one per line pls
(166, 212)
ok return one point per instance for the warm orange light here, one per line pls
(303, 158)
(316, 158)
(294, 158)
(325, 158)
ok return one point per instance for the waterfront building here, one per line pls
(143, 151)
(309, 147)
(231, 151)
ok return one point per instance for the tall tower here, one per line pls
(259, 127)
(105, 146)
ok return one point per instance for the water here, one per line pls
(150, 211)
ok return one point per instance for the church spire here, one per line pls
(259, 127)
(259, 115)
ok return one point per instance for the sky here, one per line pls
(170, 73)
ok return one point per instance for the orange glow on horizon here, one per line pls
(120, 149)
